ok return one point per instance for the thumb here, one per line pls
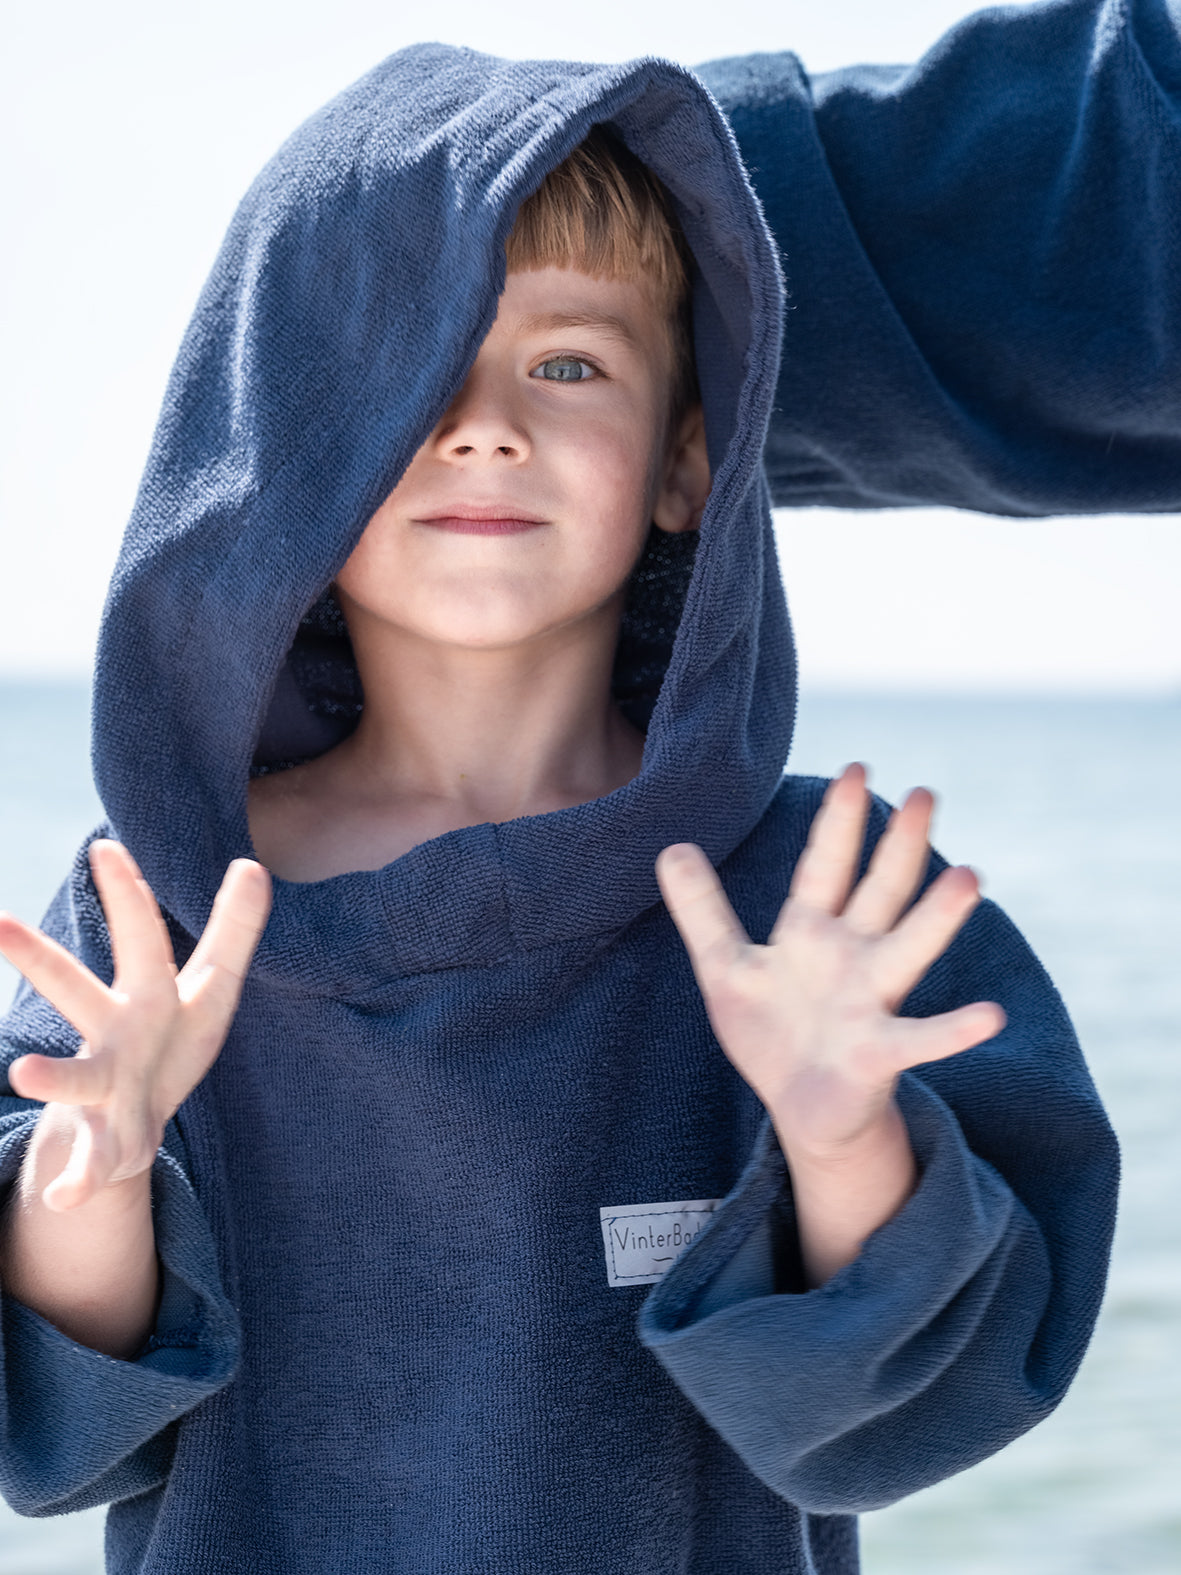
(63, 1080)
(919, 1039)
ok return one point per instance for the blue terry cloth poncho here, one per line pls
(412, 1221)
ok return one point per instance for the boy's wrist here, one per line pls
(883, 1133)
(91, 1270)
(844, 1192)
(48, 1154)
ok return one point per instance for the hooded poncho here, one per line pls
(395, 1334)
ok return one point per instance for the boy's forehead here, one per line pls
(609, 323)
(550, 300)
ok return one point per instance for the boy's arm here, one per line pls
(103, 1346)
(981, 253)
(962, 1318)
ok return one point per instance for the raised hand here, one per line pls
(809, 1018)
(149, 1037)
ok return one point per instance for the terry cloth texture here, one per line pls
(981, 254)
(387, 1340)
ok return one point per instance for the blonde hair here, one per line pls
(603, 211)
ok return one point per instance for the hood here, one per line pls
(358, 278)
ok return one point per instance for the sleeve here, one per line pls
(981, 254)
(78, 1428)
(964, 1318)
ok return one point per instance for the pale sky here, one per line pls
(131, 129)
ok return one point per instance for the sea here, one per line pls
(1070, 809)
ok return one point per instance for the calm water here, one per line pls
(1070, 810)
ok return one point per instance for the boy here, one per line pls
(468, 1110)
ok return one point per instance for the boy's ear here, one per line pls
(680, 502)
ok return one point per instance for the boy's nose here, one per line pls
(478, 427)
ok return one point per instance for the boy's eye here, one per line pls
(564, 369)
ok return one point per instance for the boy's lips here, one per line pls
(479, 520)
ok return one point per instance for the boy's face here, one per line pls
(526, 509)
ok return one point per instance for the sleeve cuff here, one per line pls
(954, 1220)
(784, 1376)
(73, 1419)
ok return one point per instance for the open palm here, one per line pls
(151, 1035)
(809, 1018)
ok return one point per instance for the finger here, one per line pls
(915, 1040)
(139, 937)
(63, 1080)
(86, 1172)
(711, 930)
(896, 869)
(221, 958)
(901, 958)
(829, 861)
(67, 984)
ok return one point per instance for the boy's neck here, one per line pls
(495, 733)
(450, 737)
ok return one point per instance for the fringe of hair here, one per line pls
(603, 211)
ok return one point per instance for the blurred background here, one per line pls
(1028, 670)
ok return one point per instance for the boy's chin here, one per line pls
(502, 635)
(486, 617)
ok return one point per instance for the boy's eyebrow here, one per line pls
(606, 322)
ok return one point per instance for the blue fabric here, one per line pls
(387, 1339)
(981, 258)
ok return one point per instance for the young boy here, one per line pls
(327, 1251)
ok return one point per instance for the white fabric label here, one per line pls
(641, 1240)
